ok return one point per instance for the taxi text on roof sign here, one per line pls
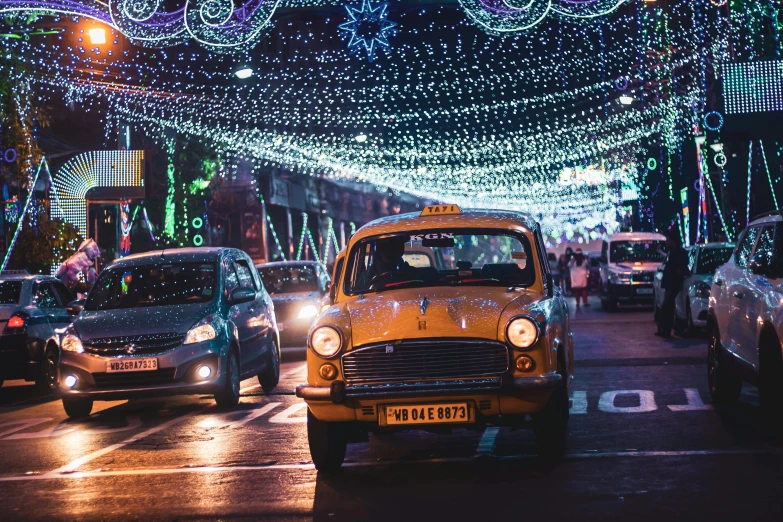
(442, 210)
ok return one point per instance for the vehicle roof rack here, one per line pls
(767, 214)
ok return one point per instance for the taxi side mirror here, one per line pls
(74, 307)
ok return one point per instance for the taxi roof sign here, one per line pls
(441, 210)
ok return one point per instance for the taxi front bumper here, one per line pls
(338, 392)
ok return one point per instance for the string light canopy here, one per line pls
(450, 112)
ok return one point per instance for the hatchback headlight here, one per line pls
(522, 332)
(308, 311)
(71, 343)
(326, 341)
(200, 333)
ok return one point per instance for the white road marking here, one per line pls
(287, 416)
(487, 443)
(694, 402)
(223, 420)
(310, 467)
(578, 403)
(286, 375)
(646, 401)
(22, 424)
(74, 465)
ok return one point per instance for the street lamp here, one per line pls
(243, 72)
(97, 35)
(361, 138)
(626, 100)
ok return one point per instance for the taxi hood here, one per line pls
(433, 312)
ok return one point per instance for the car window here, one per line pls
(63, 293)
(44, 296)
(766, 242)
(230, 279)
(244, 274)
(637, 250)
(710, 259)
(745, 248)
(288, 279)
(10, 291)
(417, 259)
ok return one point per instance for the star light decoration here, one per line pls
(368, 27)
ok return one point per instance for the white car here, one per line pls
(692, 302)
(629, 261)
(745, 317)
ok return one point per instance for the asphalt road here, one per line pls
(644, 444)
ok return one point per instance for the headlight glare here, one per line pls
(522, 332)
(308, 311)
(199, 334)
(326, 341)
(71, 343)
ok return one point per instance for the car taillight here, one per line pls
(16, 321)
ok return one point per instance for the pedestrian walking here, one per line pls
(578, 269)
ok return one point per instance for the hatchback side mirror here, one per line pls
(242, 295)
(74, 307)
(759, 264)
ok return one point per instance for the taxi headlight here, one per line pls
(326, 341)
(71, 343)
(201, 333)
(522, 332)
(308, 311)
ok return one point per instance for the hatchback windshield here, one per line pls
(9, 292)
(289, 279)
(161, 284)
(711, 258)
(457, 257)
(637, 251)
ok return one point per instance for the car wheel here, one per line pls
(771, 377)
(228, 397)
(724, 387)
(328, 442)
(47, 381)
(269, 378)
(550, 427)
(77, 407)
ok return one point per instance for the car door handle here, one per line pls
(739, 295)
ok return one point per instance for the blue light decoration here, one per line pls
(368, 27)
(753, 87)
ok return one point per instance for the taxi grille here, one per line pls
(142, 344)
(120, 379)
(408, 360)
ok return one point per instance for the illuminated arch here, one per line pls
(92, 171)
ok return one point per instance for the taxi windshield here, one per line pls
(440, 258)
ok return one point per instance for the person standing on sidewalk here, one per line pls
(578, 270)
(674, 273)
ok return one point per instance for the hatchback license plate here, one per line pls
(644, 291)
(429, 414)
(132, 365)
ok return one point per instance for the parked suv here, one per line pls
(31, 308)
(629, 261)
(745, 316)
(171, 322)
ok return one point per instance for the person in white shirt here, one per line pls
(578, 268)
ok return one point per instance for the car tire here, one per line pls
(550, 427)
(269, 378)
(328, 442)
(47, 381)
(77, 407)
(771, 377)
(228, 397)
(724, 387)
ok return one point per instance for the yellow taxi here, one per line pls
(439, 319)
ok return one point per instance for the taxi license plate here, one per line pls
(132, 365)
(461, 412)
(644, 291)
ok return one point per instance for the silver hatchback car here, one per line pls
(171, 322)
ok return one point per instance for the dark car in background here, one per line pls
(297, 289)
(594, 271)
(32, 307)
(171, 322)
